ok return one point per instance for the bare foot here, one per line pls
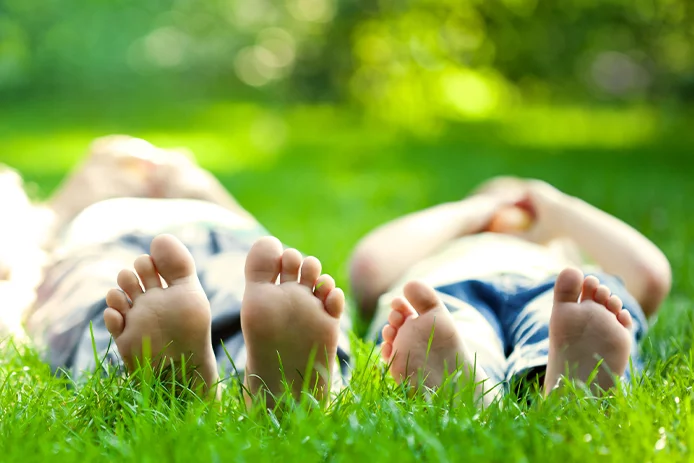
(175, 320)
(285, 324)
(581, 333)
(422, 341)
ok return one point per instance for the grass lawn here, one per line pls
(319, 179)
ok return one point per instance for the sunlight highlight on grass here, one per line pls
(573, 127)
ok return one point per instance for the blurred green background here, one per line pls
(328, 117)
(430, 58)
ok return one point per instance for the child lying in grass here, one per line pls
(515, 303)
(211, 297)
(119, 211)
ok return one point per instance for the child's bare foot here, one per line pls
(582, 333)
(422, 341)
(288, 322)
(174, 320)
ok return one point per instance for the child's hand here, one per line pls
(504, 195)
(511, 219)
(526, 208)
(544, 204)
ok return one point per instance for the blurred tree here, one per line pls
(418, 59)
(415, 61)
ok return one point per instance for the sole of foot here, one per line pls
(291, 327)
(588, 326)
(150, 322)
(422, 344)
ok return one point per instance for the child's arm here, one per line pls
(388, 252)
(615, 246)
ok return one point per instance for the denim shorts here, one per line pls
(504, 320)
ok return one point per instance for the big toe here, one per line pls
(568, 285)
(422, 296)
(263, 262)
(172, 259)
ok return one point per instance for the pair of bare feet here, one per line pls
(290, 318)
(588, 326)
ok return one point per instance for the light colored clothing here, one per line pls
(108, 237)
(107, 221)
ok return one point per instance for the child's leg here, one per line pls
(108, 237)
(283, 324)
(70, 298)
(292, 326)
(573, 327)
(582, 333)
(425, 339)
(175, 321)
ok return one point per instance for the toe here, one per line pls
(310, 270)
(172, 259)
(115, 323)
(335, 303)
(117, 300)
(422, 296)
(263, 262)
(386, 351)
(568, 285)
(403, 307)
(291, 262)
(144, 266)
(324, 287)
(625, 319)
(129, 283)
(388, 333)
(590, 285)
(614, 304)
(602, 295)
(396, 319)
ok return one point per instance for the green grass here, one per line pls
(319, 179)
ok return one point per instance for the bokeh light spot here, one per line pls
(320, 11)
(469, 93)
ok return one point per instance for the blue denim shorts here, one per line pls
(505, 320)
